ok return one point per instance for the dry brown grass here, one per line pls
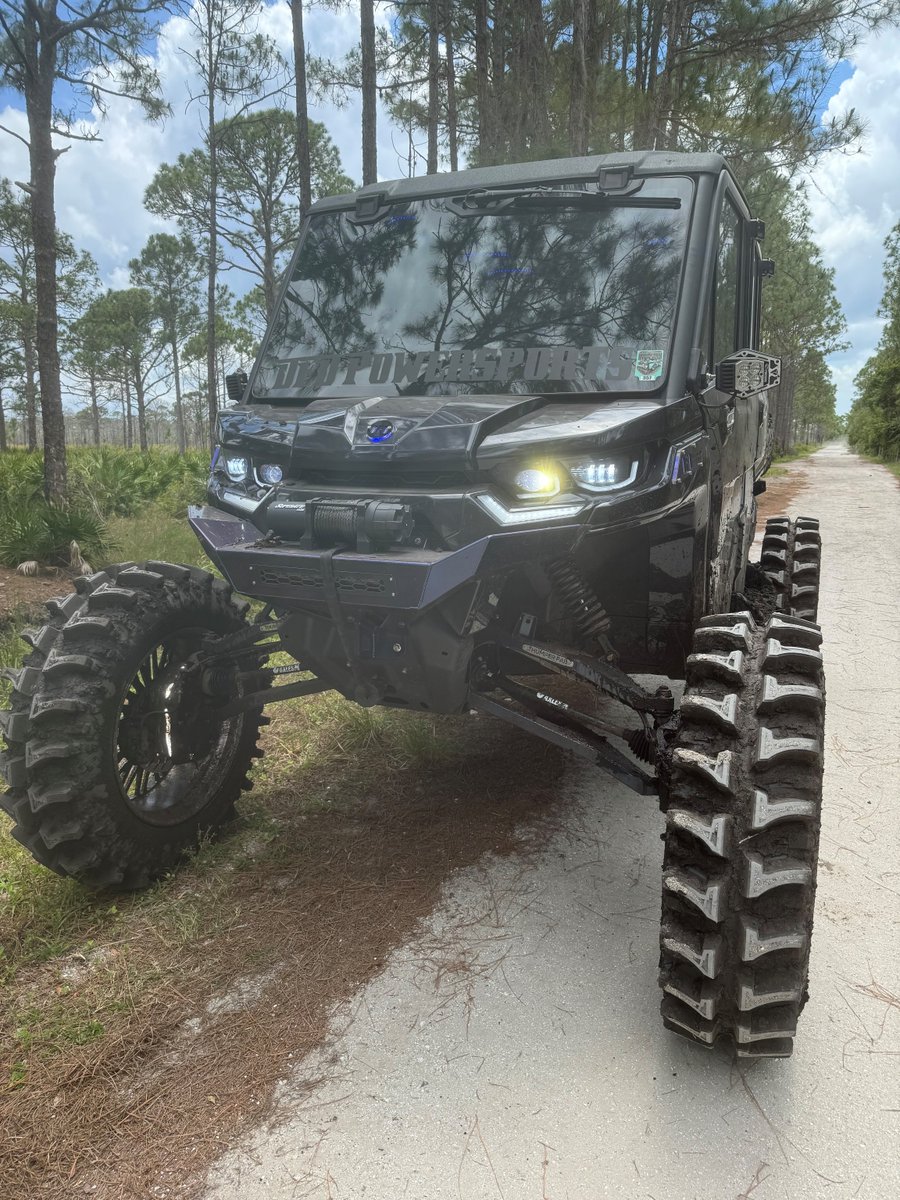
(127, 1086)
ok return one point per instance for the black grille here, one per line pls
(299, 578)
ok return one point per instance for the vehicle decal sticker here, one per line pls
(648, 365)
(549, 655)
(489, 364)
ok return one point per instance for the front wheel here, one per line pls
(742, 796)
(126, 765)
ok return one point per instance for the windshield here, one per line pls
(431, 299)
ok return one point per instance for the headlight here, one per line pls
(603, 474)
(536, 481)
(237, 467)
(271, 473)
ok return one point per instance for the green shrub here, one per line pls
(21, 475)
(190, 488)
(43, 533)
(116, 482)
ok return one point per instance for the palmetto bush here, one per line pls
(103, 482)
(121, 482)
(37, 532)
(21, 475)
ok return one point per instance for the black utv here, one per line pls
(504, 437)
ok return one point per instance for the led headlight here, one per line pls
(603, 474)
(536, 481)
(270, 473)
(237, 467)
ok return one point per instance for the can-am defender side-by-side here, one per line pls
(505, 432)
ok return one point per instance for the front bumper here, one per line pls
(400, 579)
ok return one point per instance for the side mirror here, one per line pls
(746, 372)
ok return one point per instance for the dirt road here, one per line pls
(514, 1049)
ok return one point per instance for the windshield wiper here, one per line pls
(494, 200)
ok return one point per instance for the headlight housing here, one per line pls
(237, 467)
(270, 473)
(536, 483)
(606, 474)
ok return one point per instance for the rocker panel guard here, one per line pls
(400, 579)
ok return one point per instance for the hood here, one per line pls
(432, 431)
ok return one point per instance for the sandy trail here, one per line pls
(514, 1050)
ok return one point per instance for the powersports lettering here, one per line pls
(490, 365)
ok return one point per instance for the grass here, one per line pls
(105, 483)
(801, 450)
(780, 461)
(155, 534)
(355, 819)
(893, 467)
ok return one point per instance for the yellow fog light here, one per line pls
(536, 481)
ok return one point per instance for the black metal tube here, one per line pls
(288, 691)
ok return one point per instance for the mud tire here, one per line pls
(60, 765)
(742, 797)
(791, 558)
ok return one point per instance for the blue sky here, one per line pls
(855, 198)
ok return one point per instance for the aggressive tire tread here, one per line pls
(64, 706)
(742, 799)
(791, 558)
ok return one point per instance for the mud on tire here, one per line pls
(791, 558)
(742, 802)
(63, 759)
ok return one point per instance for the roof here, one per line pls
(551, 170)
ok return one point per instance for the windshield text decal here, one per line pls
(487, 365)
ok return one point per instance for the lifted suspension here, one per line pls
(226, 680)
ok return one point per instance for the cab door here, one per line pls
(734, 423)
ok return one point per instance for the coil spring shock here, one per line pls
(582, 603)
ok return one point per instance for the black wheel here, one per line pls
(742, 798)
(117, 763)
(791, 558)
(15, 721)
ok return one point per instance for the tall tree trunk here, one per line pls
(141, 409)
(624, 78)
(434, 91)
(531, 95)
(452, 121)
(179, 404)
(95, 409)
(651, 126)
(369, 91)
(579, 80)
(30, 391)
(300, 105)
(498, 100)
(39, 107)
(270, 282)
(129, 431)
(212, 398)
(482, 81)
(3, 445)
(665, 91)
(784, 407)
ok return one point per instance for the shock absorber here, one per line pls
(582, 604)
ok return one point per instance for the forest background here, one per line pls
(135, 274)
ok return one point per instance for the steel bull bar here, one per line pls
(409, 582)
(401, 579)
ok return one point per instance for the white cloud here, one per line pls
(855, 198)
(100, 185)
